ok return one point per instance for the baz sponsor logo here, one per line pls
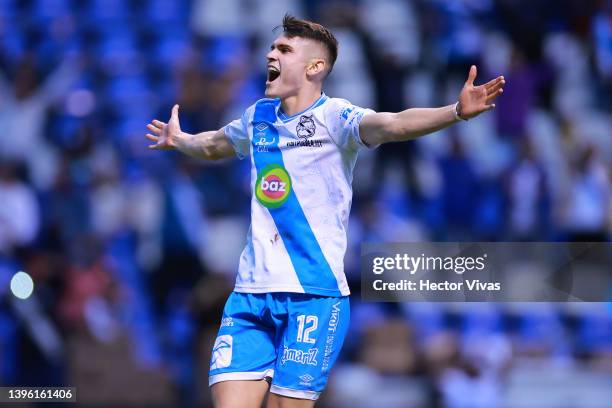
(273, 186)
(227, 322)
(308, 357)
(222, 352)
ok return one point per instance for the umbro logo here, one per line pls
(306, 379)
(261, 127)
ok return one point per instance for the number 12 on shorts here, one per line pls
(306, 325)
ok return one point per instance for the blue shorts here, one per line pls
(291, 338)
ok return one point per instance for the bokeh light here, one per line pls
(22, 285)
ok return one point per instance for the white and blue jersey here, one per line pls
(289, 313)
(301, 174)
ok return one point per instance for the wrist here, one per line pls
(180, 141)
(457, 112)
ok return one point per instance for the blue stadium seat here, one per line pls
(127, 94)
(49, 9)
(167, 12)
(595, 332)
(108, 11)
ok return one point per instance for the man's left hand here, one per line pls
(473, 100)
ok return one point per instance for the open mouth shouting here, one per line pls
(273, 74)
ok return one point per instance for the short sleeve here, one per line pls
(343, 119)
(237, 133)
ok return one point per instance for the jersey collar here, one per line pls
(316, 104)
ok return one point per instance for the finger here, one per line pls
(158, 147)
(159, 123)
(495, 88)
(175, 110)
(489, 107)
(495, 82)
(151, 137)
(472, 75)
(491, 83)
(494, 95)
(154, 129)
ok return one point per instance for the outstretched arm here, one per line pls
(386, 127)
(212, 145)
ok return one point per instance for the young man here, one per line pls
(284, 324)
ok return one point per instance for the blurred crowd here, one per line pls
(134, 251)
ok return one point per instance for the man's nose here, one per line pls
(271, 55)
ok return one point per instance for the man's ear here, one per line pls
(316, 66)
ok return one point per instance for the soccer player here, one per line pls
(285, 322)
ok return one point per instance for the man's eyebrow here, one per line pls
(280, 45)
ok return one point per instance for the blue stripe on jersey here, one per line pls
(311, 267)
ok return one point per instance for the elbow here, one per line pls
(210, 154)
(216, 153)
(214, 157)
(209, 150)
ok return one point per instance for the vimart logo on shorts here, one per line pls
(273, 186)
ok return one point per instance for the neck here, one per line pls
(301, 101)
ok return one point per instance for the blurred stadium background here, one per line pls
(133, 252)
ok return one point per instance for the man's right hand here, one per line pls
(211, 145)
(165, 135)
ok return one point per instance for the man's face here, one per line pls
(288, 61)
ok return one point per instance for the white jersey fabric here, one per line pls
(301, 174)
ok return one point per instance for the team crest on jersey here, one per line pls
(273, 186)
(305, 127)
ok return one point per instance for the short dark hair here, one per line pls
(294, 27)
